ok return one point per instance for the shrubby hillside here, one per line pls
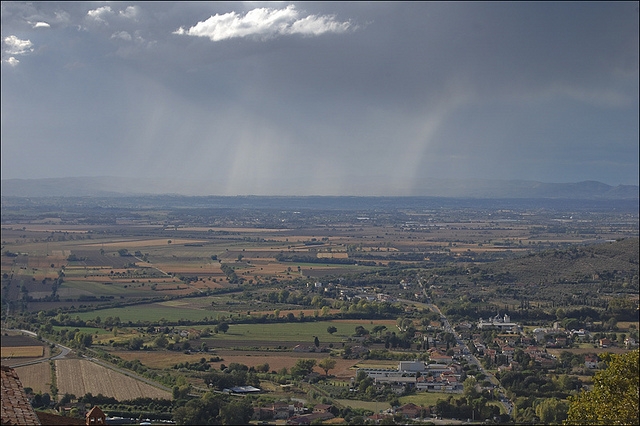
(612, 263)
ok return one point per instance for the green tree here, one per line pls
(470, 391)
(203, 411)
(327, 364)
(615, 394)
(83, 339)
(303, 367)
(236, 413)
(552, 411)
(136, 343)
(378, 329)
(331, 329)
(181, 392)
(161, 341)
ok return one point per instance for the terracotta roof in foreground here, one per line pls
(16, 409)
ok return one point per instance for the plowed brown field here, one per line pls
(36, 377)
(78, 377)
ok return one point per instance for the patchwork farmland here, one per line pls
(296, 310)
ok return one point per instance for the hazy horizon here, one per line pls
(321, 98)
(439, 188)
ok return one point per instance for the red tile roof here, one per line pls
(16, 409)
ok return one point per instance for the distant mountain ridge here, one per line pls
(448, 188)
(527, 189)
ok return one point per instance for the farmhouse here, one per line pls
(581, 335)
(605, 343)
(279, 410)
(591, 361)
(508, 351)
(307, 419)
(322, 408)
(440, 358)
(409, 411)
(95, 416)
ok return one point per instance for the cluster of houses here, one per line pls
(629, 343)
(557, 337)
(366, 294)
(349, 293)
(504, 346)
(441, 375)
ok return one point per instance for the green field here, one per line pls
(153, 313)
(287, 332)
(426, 399)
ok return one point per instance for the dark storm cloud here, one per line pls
(322, 97)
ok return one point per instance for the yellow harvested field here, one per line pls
(157, 359)
(36, 377)
(145, 243)
(78, 377)
(624, 325)
(22, 352)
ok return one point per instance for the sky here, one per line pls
(327, 98)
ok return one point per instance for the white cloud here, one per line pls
(41, 25)
(131, 12)
(122, 35)
(15, 46)
(99, 13)
(11, 61)
(264, 23)
(316, 25)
